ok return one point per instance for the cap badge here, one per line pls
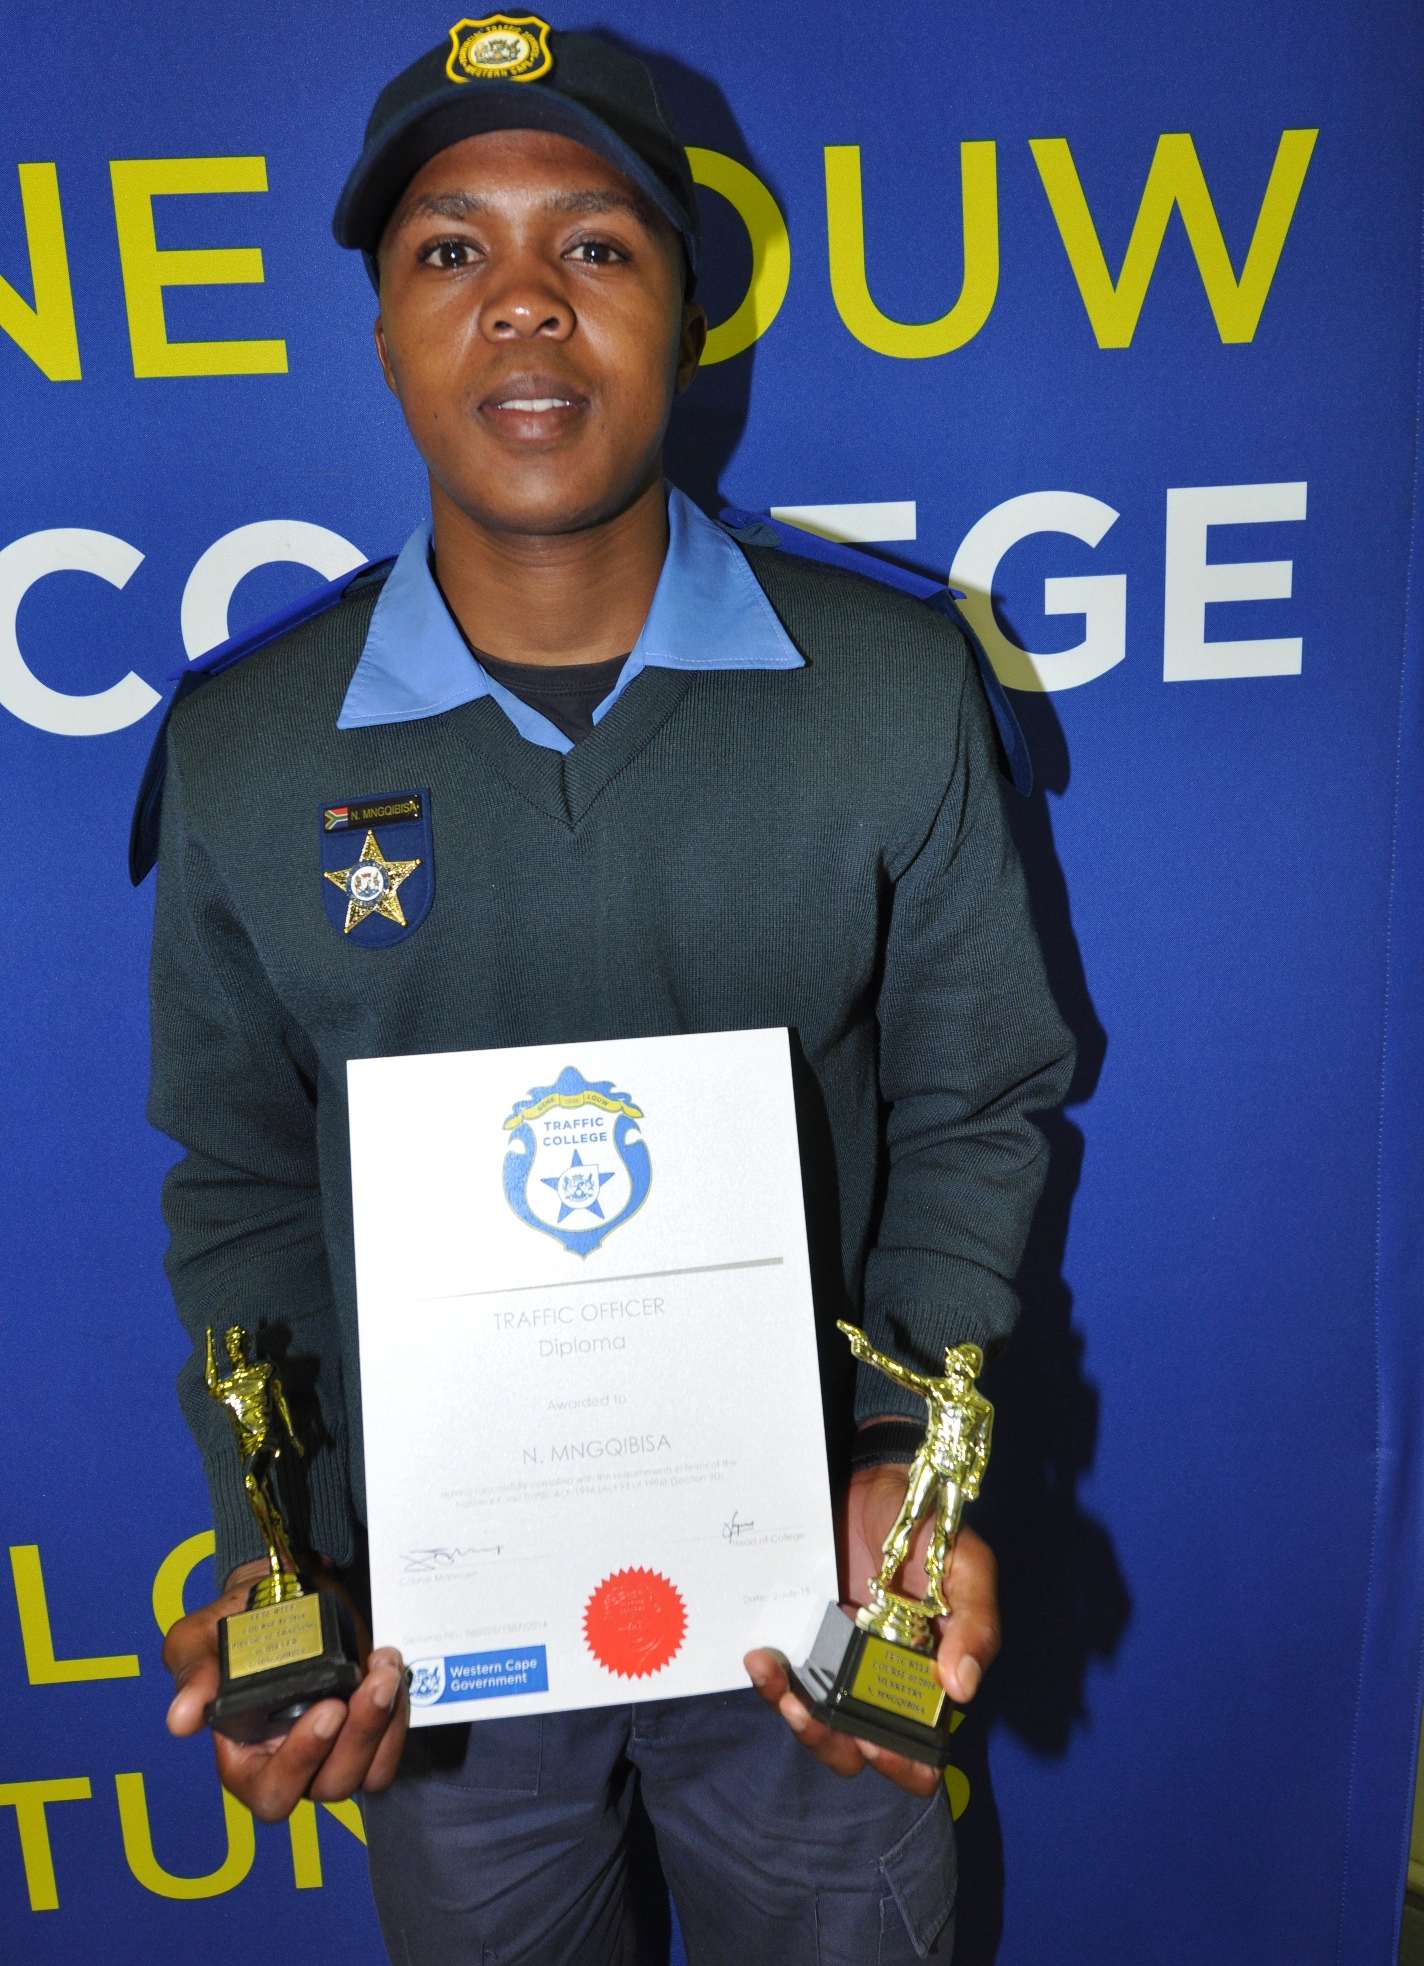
(499, 48)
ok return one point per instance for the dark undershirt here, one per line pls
(566, 693)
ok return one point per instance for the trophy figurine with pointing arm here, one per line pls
(876, 1677)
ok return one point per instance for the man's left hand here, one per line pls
(968, 1637)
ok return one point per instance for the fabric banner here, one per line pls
(1109, 315)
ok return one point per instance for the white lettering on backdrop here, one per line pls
(1192, 584)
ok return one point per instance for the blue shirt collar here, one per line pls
(708, 612)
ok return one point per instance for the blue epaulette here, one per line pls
(148, 808)
(759, 529)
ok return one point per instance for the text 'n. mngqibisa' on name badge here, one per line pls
(595, 1456)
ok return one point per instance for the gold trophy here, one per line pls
(876, 1677)
(294, 1644)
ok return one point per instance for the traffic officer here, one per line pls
(613, 772)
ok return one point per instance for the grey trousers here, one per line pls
(508, 1841)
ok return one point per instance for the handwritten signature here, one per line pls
(442, 1559)
(736, 1527)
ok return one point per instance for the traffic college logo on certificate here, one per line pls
(576, 1156)
(595, 1458)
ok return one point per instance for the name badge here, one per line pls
(377, 867)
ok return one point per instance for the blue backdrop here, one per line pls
(1150, 355)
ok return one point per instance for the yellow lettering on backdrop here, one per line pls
(306, 1846)
(137, 181)
(28, 1800)
(46, 331)
(173, 1574)
(956, 1782)
(771, 252)
(845, 226)
(348, 1814)
(1176, 178)
(138, 1846)
(42, 1666)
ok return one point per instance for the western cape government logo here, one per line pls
(577, 1165)
(499, 48)
(478, 1676)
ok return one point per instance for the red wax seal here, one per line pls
(635, 1623)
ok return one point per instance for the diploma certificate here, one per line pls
(595, 1458)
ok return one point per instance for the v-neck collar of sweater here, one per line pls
(565, 785)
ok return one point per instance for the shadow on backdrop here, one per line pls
(707, 423)
(1063, 1596)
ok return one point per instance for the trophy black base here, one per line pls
(279, 1659)
(871, 1687)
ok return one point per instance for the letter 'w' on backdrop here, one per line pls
(1110, 316)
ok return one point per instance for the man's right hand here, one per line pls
(336, 1747)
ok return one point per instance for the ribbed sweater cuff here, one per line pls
(884, 1443)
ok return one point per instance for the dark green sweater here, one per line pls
(822, 848)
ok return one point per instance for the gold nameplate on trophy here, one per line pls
(273, 1635)
(876, 1676)
(898, 1680)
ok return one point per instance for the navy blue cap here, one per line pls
(514, 72)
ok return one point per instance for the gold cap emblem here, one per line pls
(499, 48)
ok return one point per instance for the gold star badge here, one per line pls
(372, 886)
